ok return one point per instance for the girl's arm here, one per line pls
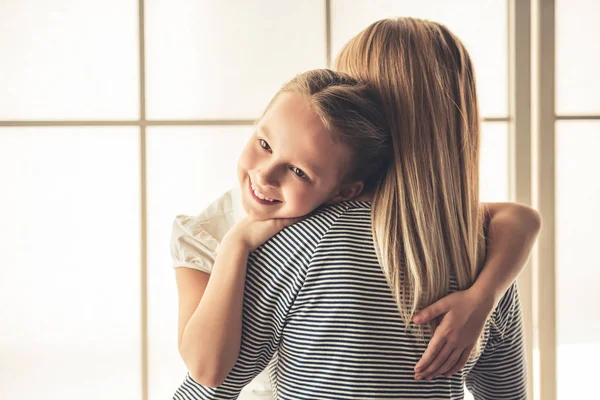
(210, 320)
(210, 310)
(512, 232)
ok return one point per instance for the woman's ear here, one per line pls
(347, 191)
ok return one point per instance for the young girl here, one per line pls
(291, 165)
(210, 324)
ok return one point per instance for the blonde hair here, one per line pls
(427, 225)
(353, 114)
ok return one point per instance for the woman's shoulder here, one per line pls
(352, 207)
(328, 215)
(327, 218)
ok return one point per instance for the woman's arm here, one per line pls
(512, 232)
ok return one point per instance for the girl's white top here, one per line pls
(195, 239)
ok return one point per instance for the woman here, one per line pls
(336, 338)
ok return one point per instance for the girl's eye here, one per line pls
(264, 144)
(298, 172)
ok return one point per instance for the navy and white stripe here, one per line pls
(317, 303)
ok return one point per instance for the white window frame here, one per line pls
(531, 122)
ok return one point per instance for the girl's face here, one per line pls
(291, 165)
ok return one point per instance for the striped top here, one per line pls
(317, 304)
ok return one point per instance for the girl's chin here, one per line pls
(259, 211)
(263, 213)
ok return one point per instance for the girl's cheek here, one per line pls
(248, 158)
(302, 201)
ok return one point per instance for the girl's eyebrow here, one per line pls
(263, 130)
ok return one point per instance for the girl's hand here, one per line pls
(251, 233)
(464, 315)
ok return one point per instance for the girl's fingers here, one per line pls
(292, 221)
(435, 345)
(433, 311)
(280, 223)
(464, 357)
(445, 367)
(274, 226)
(441, 357)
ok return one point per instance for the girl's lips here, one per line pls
(258, 199)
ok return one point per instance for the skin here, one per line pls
(292, 159)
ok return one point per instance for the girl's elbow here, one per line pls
(538, 221)
(520, 217)
(207, 373)
(208, 369)
(206, 377)
(532, 218)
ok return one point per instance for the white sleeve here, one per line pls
(191, 245)
(195, 239)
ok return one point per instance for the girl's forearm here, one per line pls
(211, 339)
(512, 233)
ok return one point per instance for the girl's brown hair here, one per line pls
(352, 112)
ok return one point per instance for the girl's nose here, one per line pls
(267, 176)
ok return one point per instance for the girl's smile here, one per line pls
(258, 195)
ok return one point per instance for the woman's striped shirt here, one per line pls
(317, 304)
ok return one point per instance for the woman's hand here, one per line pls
(464, 315)
(251, 233)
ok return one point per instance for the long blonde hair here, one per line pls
(427, 224)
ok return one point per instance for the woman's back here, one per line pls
(316, 298)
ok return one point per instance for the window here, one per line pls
(116, 116)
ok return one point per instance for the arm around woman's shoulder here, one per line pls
(194, 245)
(514, 217)
(512, 231)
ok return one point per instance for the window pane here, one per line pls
(577, 57)
(226, 59)
(69, 251)
(493, 162)
(481, 25)
(577, 267)
(69, 60)
(188, 167)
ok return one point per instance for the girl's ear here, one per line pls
(347, 191)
